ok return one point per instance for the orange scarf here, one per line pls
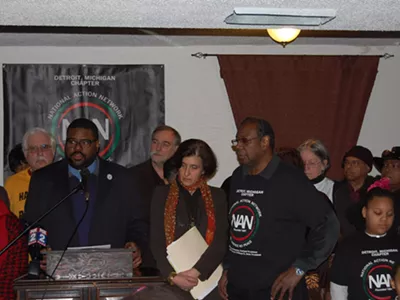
(172, 202)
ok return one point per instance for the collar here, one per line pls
(269, 169)
(75, 172)
(318, 179)
(377, 236)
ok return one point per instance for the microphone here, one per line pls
(85, 174)
(37, 241)
(35, 222)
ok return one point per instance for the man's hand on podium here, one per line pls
(136, 255)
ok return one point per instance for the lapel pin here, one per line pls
(109, 176)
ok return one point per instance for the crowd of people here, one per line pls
(280, 228)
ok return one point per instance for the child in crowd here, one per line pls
(364, 262)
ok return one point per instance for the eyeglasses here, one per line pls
(243, 141)
(164, 145)
(40, 148)
(312, 164)
(84, 143)
(351, 163)
(395, 165)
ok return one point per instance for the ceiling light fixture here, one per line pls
(289, 18)
(283, 35)
(280, 16)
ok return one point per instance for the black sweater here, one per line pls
(270, 214)
(364, 264)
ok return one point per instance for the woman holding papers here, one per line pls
(189, 204)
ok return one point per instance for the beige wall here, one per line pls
(196, 99)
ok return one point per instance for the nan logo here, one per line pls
(245, 220)
(376, 280)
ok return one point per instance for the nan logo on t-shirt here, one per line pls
(245, 221)
(376, 275)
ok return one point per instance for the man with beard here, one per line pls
(149, 174)
(39, 148)
(113, 216)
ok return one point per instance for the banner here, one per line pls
(126, 102)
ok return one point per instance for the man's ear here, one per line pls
(265, 142)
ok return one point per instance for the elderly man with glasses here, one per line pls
(39, 148)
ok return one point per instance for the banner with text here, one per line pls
(126, 102)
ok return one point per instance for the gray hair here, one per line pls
(33, 131)
(318, 148)
(176, 134)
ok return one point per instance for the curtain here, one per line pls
(323, 97)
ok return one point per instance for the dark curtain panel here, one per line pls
(323, 97)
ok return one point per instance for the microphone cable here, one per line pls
(66, 247)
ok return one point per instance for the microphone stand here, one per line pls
(25, 231)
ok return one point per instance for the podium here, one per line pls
(102, 289)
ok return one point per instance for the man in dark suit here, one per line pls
(114, 214)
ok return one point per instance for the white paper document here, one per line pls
(184, 253)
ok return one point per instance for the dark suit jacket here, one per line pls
(147, 180)
(216, 250)
(349, 212)
(117, 215)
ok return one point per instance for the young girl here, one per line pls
(364, 262)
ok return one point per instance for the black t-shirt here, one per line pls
(269, 216)
(364, 264)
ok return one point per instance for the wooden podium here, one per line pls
(104, 289)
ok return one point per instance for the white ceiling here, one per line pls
(352, 15)
(383, 15)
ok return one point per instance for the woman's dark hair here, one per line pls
(199, 148)
(378, 192)
(170, 168)
(16, 158)
(290, 156)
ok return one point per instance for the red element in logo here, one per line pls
(90, 105)
(241, 239)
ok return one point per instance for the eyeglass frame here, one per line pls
(312, 165)
(41, 147)
(76, 142)
(243, 141)
(352, 163)
(392, 165)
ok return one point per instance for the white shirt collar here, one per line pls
(376, 235)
